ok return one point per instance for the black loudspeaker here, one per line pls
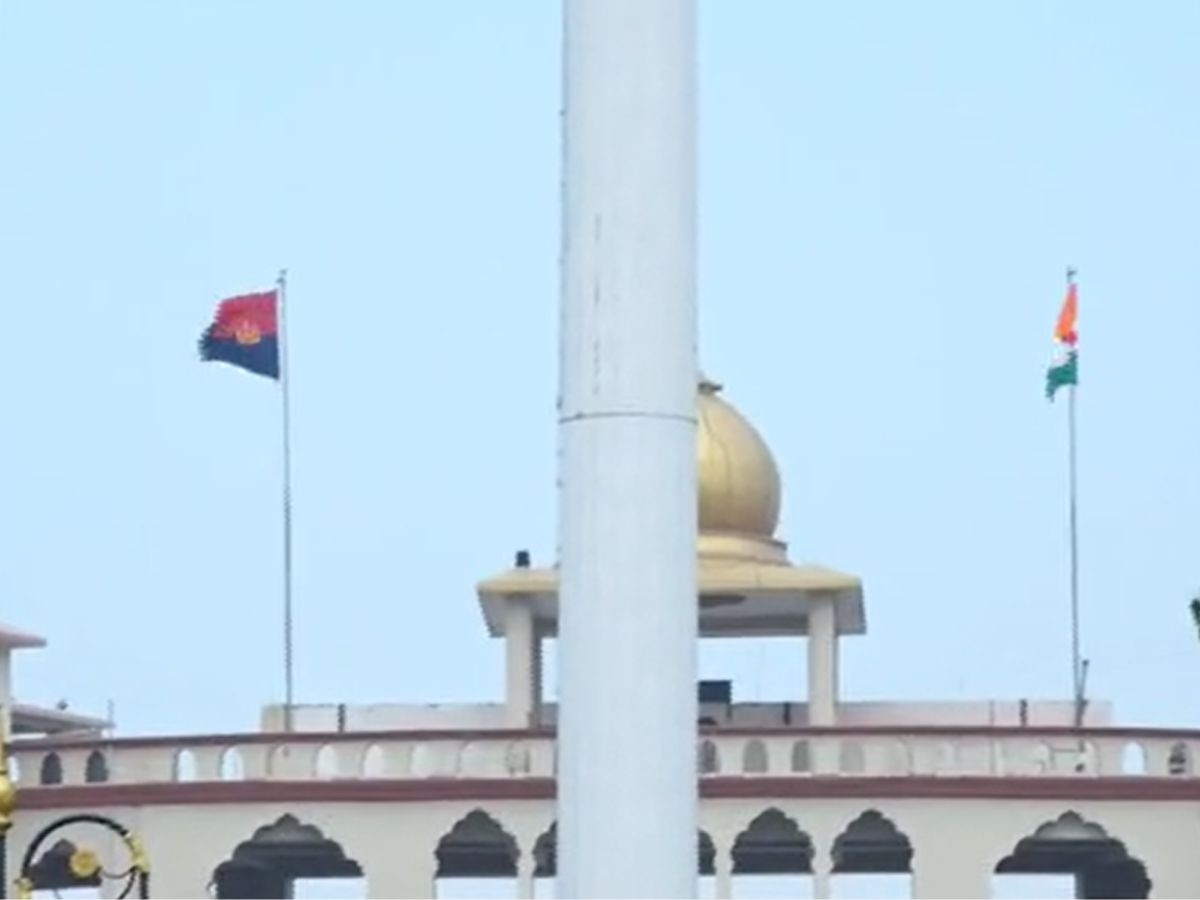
(715, 692)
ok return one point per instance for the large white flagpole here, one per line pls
(628, 611)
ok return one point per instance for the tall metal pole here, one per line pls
(288, 679)
(627, 791)
(1076, 661)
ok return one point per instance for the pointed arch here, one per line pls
(872, 843)
(709, 759)
(772, 844)
(95, 771)
(374, 762)
(326, 763)
(477, 846)
(517, 758)
(183, 766)
(545, 853)
(707, 855)
(278, 854)
(1179, 760)
(1133, 759)
(754, 757)
(1073, 845)
(801, 757)
(230, 765)
(52, 769)
(872, 858)
(852, 760)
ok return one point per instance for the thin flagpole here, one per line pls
(1076, 662)
(288, 679)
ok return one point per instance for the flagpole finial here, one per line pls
(1071, 273)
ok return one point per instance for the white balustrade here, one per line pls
(847, 752)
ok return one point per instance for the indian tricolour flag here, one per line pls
(1064, 371)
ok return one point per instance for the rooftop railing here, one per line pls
(883, 752)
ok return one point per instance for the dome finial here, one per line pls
(738, 481)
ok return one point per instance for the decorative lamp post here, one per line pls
(85, 863)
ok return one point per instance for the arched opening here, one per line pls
(434, 760)
(1071, 855)
(1133, 759)
(545, 865)
(52, 876)
(183, 767)
(481, 759)
(326, 763)
(897, 759)
(231, 767)
(772, 857)
(1179, 760)
(801, 758)
(851, 759)
(52, 769)
(476, 858)
(707, 866)
(754, 757)
(708, 761)
(373, 762)
(517, 758)
(871, 858)
(288, 858)
(95, 771)
(14, 769)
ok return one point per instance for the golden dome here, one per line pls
(739, 488)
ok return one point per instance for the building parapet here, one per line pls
(859, 752)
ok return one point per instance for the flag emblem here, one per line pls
(247, 333)
(244, 333)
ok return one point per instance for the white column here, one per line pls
(627, 799)
(525, 881)
(723, 870)
(822, 875)
(522, 661)
(822, 662)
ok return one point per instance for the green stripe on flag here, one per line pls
(1064, 374)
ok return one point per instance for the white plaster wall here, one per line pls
(389, 716)
(396, 716)
(957, 843)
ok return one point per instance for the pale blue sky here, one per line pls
(889, 195)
